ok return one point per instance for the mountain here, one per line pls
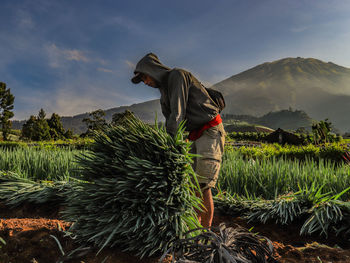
(321, 89)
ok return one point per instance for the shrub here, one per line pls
(330, 151)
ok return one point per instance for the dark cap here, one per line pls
(137, 78)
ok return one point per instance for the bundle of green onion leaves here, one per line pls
(139, 190)
(16, 191)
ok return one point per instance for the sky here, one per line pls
(76, 56)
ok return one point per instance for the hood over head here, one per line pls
(151, 66)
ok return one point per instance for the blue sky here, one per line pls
(72, 56)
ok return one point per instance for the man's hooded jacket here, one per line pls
(183, 97)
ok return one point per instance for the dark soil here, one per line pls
(34, 235)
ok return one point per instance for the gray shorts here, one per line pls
(211, 148)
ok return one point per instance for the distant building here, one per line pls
(282, 137)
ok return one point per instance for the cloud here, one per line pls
(82, 92)
(72, 95)
(68, 104)
(74, 54)
(29, 103)
(299, 29)
(130, 64)
(105, 70)
(70, 101)
(57, 56)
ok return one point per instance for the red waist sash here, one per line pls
(195, 134)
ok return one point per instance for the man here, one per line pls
(183, 97)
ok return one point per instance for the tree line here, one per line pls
(38, 128)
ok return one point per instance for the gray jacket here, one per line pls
(183, 97)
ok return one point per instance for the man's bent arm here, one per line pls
(178, 87)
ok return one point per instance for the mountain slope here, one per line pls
(321, 89)
(284, 119)
(146, 111)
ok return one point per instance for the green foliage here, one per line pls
(95, 122)
(12, 144)
(320, 212)
(330, 151)
(29, 128)
(37, 128)
(16, 191)
(121, 118)
(327, 216)
(269, 178)
(140, 195)
(56, 128)
(76, 143)
(42, 128)
(15, 132)
(68, 134)
(321, 131)
(6, 107)
(306, 138)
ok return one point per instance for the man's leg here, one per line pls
(207, 215)
(210, 147)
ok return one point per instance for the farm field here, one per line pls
(32, 228)
(28, 233)
(174, 131)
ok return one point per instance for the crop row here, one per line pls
(269, 178)
(240, 173)
(81, 143)
(40, 164)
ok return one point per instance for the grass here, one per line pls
(265, 178)
(269, 178)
